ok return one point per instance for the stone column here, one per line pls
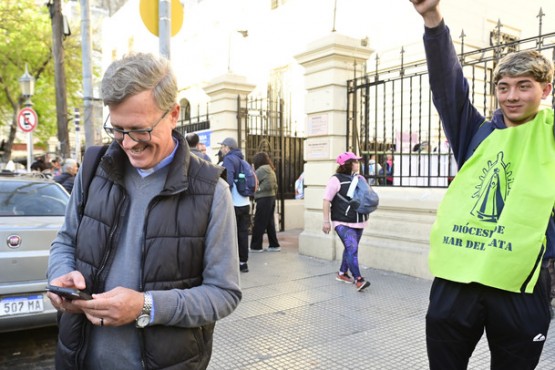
(223, 92)
(328, 63)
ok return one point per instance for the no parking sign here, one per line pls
(27, 119)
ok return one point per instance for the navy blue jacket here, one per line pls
(232, 163)
(66, 180)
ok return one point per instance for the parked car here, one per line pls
(32, 210)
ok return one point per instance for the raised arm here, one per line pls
(429, 10)
(450, 90)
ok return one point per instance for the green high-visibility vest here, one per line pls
(490, 226)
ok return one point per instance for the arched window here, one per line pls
(185, 111)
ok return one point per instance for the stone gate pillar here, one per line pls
(223, 92)
(328, 63)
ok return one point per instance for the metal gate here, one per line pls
(268, 130)
(390, 111)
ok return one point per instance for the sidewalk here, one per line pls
(295, 315)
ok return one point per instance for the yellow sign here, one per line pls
(149, 15)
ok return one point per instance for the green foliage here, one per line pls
(26, 37)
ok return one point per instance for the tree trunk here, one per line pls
(62, 114)
(8, 144)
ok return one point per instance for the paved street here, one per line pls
(295, 315)
(28, 350)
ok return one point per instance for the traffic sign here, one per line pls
(27, 119)
(149, 14)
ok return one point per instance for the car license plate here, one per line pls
(21, 305)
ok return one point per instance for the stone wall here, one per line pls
(397, 236)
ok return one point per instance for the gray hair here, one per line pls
(138, 72)
(69, 164)
(527, 62)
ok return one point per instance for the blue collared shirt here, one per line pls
(163, 163)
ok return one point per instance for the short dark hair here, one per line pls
(192, 140)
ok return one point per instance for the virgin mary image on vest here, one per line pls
(493, 190)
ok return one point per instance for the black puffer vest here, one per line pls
(342, 210)
(172, 254)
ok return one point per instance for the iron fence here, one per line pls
(187, 124)
(268, 130)
(390, 112)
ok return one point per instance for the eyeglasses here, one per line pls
(140, 135)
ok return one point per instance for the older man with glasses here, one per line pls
(139, 135)
(154, 242)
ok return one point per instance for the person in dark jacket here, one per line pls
(153, 242)
(232, 156)
(493, 237)
(67, 177)
(347, 223)
(265, 197)
(39, 164)
(194, 146)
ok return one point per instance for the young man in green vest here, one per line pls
(494, 232)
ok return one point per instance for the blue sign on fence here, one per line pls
(204, 137)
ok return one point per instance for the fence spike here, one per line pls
(540, 16)
(462, 37)
(377, 67)
(402, 71)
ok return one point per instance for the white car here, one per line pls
(32, 210)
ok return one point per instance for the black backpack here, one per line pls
(365, 200)
(91, 160)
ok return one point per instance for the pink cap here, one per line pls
(344, 157)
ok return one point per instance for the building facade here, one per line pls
(304, 51)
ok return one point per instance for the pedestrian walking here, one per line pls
(232, 156)
(347, 223)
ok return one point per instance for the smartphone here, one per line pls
(68, 293)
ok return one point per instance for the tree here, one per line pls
(58, 35)
(26, 37)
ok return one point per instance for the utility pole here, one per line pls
(88, 98)
(334, 15)
(55, 7)
(164, 27)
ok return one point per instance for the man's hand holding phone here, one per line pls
(68, 293)
(68, 286)
(119, 306)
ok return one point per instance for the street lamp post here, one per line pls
(27, 85)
